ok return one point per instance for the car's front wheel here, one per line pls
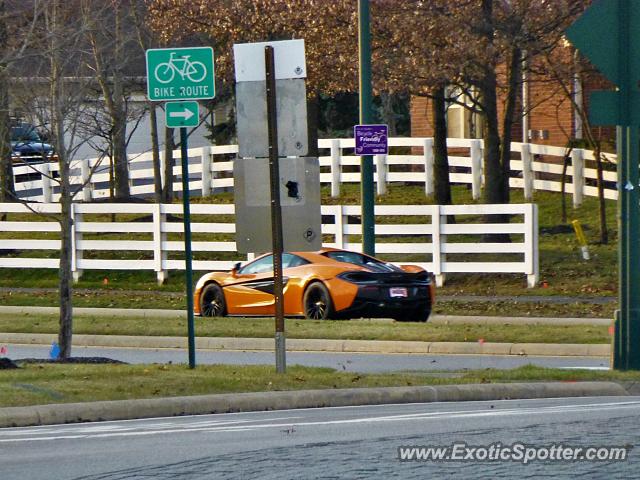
(212, 303)
(317, 302)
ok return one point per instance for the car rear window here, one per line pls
(352, 257)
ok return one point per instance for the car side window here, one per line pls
(261, 265)
(265, 264)
(290, 260)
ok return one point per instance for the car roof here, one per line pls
(316, 257)
(320, 256)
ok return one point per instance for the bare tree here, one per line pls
(57, 102)
(17, 24)
(111, 34)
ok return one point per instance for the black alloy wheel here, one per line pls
(212, 303)
(317, 302)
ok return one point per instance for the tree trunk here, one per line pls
(563, 186)
(7, 187)
(57, 120)
(118, 113)
(507, 124)
(494, 183)
(169, 146)
(66, 248)
(442, 186)
(155, 152)
(387, 113)
(487, 85)
(602, 212)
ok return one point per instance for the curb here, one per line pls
(244, 402)
(435, 319)
(320, 345)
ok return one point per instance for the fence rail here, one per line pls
(533, 167)
(153, 237)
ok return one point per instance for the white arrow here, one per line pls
(186, 114)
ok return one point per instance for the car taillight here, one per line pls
(358, 277)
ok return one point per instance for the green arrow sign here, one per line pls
(595, 34)
(180, 73)
(181, 114)
(611, 46)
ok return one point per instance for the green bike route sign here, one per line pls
(180, 73)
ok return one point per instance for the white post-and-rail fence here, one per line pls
(154, 237)
(534, 167)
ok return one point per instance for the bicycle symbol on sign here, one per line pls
(194, 71)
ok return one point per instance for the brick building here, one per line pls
(544, 112)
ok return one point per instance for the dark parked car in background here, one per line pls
(27, 145)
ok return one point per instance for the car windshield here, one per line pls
(24, 134)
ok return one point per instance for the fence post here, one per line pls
(76, 238)
(527, 171)
(339, 225)
(85, 172)
(475, 151)
(436, 243)
(577, 160)
(163, 180)
(206, 155)
(159, 238)
(531, 254)
(129, 172)
(427, 156)
(335, 167)
(381, 170)
(45, 176)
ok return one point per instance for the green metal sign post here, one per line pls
(608, 34)
(182, 74)
(366, 117)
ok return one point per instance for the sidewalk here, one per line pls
(319, 345)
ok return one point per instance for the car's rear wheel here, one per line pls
(421, 314)
(317, 302)
(212, 303)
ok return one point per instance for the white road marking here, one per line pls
(93, 431)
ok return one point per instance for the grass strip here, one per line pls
(299, 328)
(176, 301)
(35, 384)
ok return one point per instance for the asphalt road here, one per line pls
(355, 362)
(330, 443)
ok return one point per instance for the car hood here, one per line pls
(31, 147)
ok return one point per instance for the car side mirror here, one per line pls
(234, 270)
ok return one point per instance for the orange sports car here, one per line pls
(329, 283)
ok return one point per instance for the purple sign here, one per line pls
(371, 139)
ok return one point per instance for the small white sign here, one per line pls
(289, 60)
